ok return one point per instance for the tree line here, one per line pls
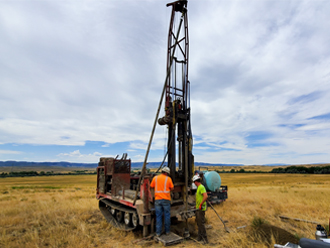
(43, 173)
(303, 170)
(289, 169)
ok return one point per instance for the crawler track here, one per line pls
(115, 219)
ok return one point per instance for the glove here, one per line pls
(200, 207)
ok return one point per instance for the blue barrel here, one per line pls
(212, 181)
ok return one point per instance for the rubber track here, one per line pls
(103, 203)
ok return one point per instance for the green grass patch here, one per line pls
(258, 221)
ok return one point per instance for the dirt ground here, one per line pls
(269, 233)
(265, 233)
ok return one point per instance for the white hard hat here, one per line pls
(166, 169)
(196, 177)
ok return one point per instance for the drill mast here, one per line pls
(177, 96)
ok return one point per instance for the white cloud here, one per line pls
(76, 156)
(72, 72)
(9, 152)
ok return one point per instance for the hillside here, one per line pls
(65, 167)
(91, 165)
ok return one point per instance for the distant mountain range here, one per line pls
(59, 164)
(93, 165)
(134, 164)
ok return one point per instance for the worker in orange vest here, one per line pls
(163, 185)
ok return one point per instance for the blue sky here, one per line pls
(82, 79)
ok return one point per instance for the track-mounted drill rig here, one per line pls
(126, 200)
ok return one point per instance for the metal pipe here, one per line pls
(227, 230)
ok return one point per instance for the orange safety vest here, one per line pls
(163, 185)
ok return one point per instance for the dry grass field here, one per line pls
(61, 211)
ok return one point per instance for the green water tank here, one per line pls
(211, 181)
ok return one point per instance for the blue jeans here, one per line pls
(163, 207)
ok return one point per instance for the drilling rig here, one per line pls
(126, 199)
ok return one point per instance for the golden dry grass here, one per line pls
(61, 211)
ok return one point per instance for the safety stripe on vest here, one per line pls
(159, 191)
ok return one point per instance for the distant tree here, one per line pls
(3, 174)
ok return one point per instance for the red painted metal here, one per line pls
(120, 181)
(127, 203)
(145, 194)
